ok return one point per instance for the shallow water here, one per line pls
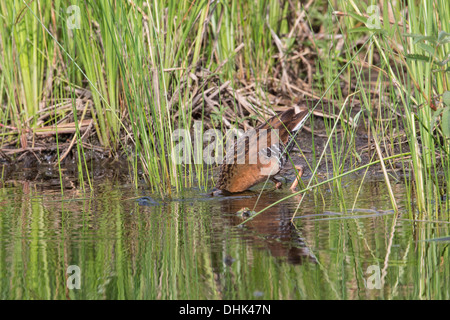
(194, 247)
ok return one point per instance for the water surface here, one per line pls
(345, 242)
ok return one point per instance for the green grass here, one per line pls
(140, 70)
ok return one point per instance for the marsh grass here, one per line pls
(402, 104)
(139, 70)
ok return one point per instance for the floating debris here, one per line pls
(228, 260)
(147, 201)
(245, 212)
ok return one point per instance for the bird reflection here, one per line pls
(271, 229)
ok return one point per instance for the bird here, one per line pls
(251, 159)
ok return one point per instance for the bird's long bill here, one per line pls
(299, 120)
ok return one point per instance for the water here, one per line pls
(194, 247)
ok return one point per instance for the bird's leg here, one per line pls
(278, 184)
(295, 183)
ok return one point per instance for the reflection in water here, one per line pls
(271, 229)
(193, 247)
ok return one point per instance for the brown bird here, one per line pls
(261, 153)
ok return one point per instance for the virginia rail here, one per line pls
(280, 130)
